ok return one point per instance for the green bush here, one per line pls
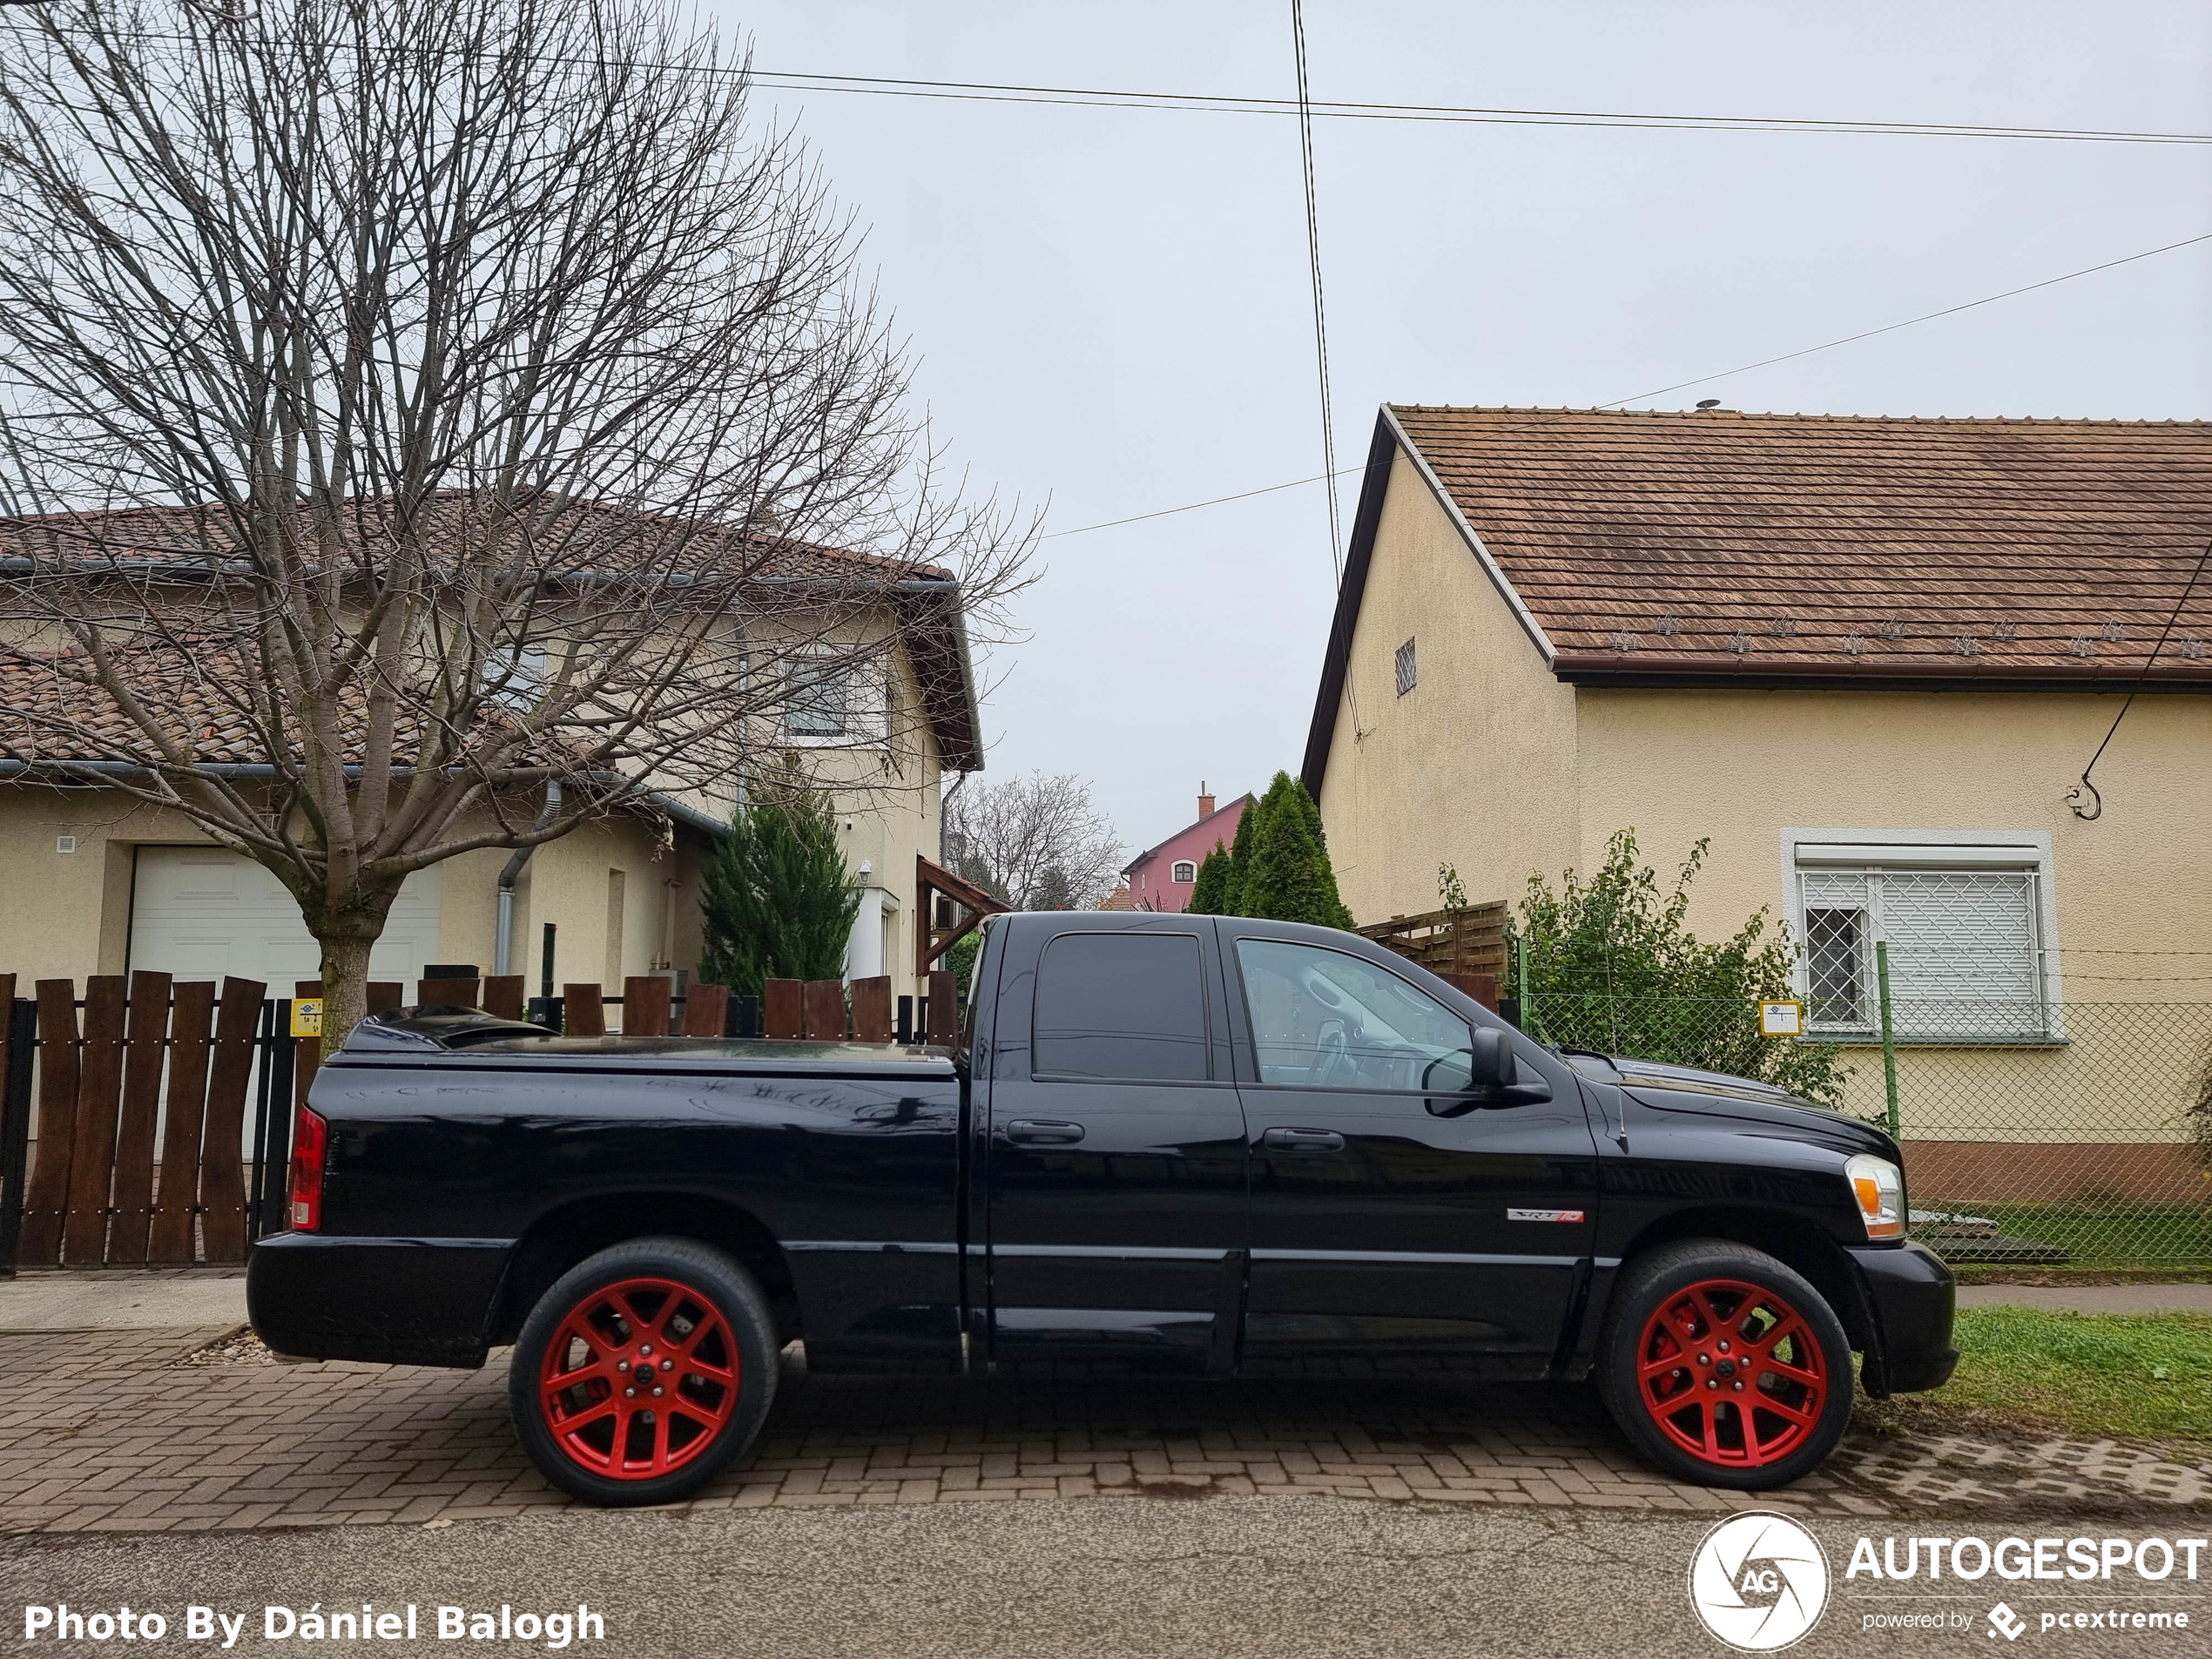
(1608, 964)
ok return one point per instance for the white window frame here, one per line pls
(1848, 848)
(1175, 870)
(866, 723)
(523, 668)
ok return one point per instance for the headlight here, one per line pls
(1878, 1185)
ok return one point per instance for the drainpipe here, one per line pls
(502, 946)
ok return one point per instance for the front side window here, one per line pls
(1130, 1008)
(1326, 1020)
(1965, 958)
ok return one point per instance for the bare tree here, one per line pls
(1039, 843)
(426, 426)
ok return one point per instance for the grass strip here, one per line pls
(2087, 1376)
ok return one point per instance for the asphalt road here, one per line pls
(1098, 1578)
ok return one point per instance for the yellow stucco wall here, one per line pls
(67, 915)
(1475, 766)
(1739, 767)
(566, 883)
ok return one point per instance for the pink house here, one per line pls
(1161, 879)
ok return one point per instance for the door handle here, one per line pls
(1302, 1140)
(1035, 1131)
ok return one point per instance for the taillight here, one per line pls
(310, 1141)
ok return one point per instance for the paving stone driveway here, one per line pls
(119, 1431)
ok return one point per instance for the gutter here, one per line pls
(1727, 669)
(502, 945)
(195, 569)
(690, 817)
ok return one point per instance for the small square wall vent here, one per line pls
(64, 844)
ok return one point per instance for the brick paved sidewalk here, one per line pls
(108, 1431)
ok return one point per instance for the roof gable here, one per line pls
(1719, 547)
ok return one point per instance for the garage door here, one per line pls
(200, 912)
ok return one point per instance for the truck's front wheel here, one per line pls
(642, 1372)
(1724, 1366)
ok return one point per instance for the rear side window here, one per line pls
(1128, 1006)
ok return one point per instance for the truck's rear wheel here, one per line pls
(642, 1372)
(1724, 1366)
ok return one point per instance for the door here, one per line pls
(1393, 1218)
(201, 913)
(1115, 1179)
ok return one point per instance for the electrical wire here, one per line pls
(2093, 806)
(1165, 512)
(1335, 109)
(1948, 311)
(1320, 309)
(1339, 108)
(1891, 328)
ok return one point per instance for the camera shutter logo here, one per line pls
(1759, 1582)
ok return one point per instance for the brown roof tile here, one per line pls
(1860, 545)
(209, 701)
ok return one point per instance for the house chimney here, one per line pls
(1205, 801)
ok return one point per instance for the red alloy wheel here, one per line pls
(639, 1379)
(1731, 1373)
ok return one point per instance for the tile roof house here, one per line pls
(1161, 878)
(101, 884)
(1869, 659)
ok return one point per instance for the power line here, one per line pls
(1339, 109)
(1222, 104)
(1948, 311)
(1891, 328)
(1320, 310)
(1164, 512)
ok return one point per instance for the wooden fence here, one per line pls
(142, 1116)
(1465, 946)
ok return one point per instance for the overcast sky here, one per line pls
(1110, 306)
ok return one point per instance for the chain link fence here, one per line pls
(2035, 1133)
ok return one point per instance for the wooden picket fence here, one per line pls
(791, 1010)
(157, 1067)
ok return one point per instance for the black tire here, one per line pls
(603, 1448)
(1693, 1275)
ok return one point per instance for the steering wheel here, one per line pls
(1331, 1054)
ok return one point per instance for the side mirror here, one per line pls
(1482, 1073)
(1480, 1069)
(1490, 1061)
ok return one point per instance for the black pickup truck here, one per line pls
(1188, 1145)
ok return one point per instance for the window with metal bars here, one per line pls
(1408, 670)
(1965, 952)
